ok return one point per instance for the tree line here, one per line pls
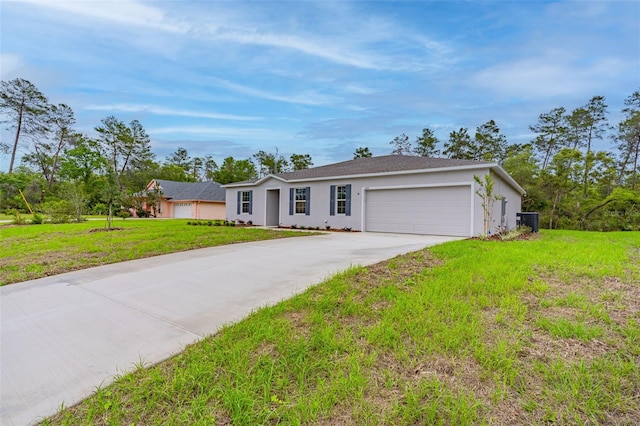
(570, 183)
(567, 181)
(65, 169)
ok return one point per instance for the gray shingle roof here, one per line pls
(382, 164)
(185, 191)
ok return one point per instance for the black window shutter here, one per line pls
(308, 202)
(291, 195)
(239, 201)
(332, 200)
(347, 207)
(250, 202)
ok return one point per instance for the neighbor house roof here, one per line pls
(190, 191)
(386, 164)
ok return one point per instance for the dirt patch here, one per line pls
(105, 229)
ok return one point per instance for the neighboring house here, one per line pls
(190, 200)
(393, 193)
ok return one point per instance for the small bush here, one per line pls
(240, 222)
(249, 222)
(60, 211)
(123, 214)
(17, 218)
(37, 219)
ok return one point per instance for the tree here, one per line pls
(488, 199)
(362, 152)
(628, 138)
(181, 159)
(127, 149)
(401, 145)
(233, 170)
(209, 167)
(560, 181)
(459, 145)
(426, 144)
(551, 130)
(124, 146)
(47, 151)
(300, 161)
(522, 166)
(270, 164)
(26, 108)
(586, 124)
(490, 144)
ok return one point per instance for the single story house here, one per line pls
(392, 193)
(189, 200)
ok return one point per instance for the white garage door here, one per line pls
(182, 210)
(433, 211)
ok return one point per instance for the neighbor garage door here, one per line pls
(182, 210)
(434, 211)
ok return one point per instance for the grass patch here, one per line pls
(464, 333)
(34, 251)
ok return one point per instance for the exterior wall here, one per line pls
(501, 189)
(166, 209)
(320, 198)
(205, 210)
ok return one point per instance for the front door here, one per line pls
(273, 207)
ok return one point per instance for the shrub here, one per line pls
(17, 218)
(123, 214)
(60, 211)
(37, 219)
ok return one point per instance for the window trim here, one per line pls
(241, 202)
(334, 200)
(294, 202)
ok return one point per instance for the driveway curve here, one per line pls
(63, 336)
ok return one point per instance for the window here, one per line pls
(301, 201)
(245, 202)
(340, 200)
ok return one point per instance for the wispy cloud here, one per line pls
(307, 97)
(539, 77)
(152, 109)
(222, 132)
(125, 12)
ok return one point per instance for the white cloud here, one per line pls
(303, 98)
(125, 12)
(222, 132)
(547, 77)
(168, 111)
(12, 65)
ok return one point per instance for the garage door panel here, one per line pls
(437, 211)
(182, 210)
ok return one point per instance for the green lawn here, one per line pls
(34, 251)
(470, 332)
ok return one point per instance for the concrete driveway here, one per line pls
(63, 336)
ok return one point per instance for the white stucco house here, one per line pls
(392, 193)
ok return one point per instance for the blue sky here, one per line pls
(230, 78)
